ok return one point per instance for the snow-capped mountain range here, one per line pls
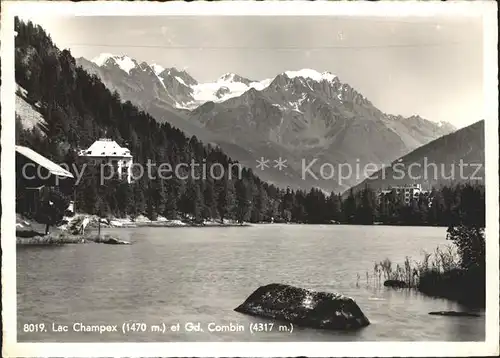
(299, 115)
(225, 87)
(172, 80)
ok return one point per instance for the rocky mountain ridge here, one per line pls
(302, 116)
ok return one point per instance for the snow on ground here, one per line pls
(102, 58)
(142, 219)
(295, 107)
(115, 223)
(312, 74)
(302, 99)
(157, 68)
(181, 80)
(124, 62)
(204, 92)
(73, 224)
(279, 106)
(30, 117)
(23, 91)
(161, 80)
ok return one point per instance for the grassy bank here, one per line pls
(442, 273)
(30, 232)
(51, 239)
(467, 287)
(65, 238)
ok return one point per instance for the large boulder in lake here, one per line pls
(304, 307)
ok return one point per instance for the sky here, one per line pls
(430, 66)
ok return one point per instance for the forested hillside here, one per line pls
(78, 109)
(454, 158)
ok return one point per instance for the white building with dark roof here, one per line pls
(107, 151)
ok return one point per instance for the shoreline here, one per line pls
(166, 224)
(210, 224)
(68, 232)
(91, 222)
(72, 223)
(30, 232)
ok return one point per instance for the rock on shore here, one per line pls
(396, 284)
(455, 314)
(110, 240)
(304, 307)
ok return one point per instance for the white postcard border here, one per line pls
(485, 9)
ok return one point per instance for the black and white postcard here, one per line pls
(249, 178)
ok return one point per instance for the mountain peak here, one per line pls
(125, 63)
(228, 76)
(157, 68)
(446, 126)
(312, 74)
(144, 65)
(233, 77)
(102, 58)
(181, 76)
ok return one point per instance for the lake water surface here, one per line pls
(181, 275)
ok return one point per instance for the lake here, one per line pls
(173, 276)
